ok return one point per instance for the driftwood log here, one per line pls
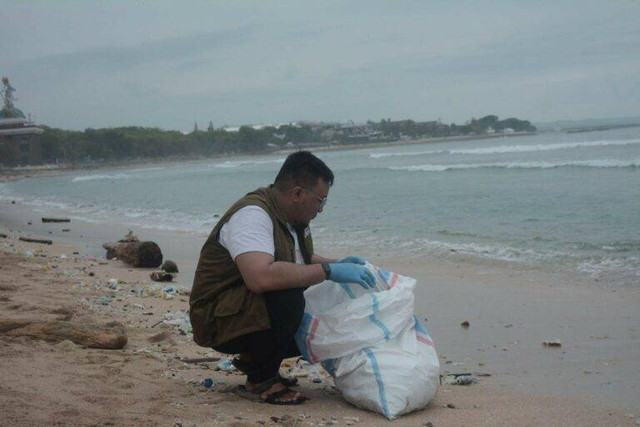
(44, 219)
(110, 335)
(201, 360)
(29, 239)
(138, 254)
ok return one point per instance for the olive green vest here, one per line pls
(221, 306)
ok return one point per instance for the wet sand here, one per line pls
(592, 379)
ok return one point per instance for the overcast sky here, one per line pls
(79, 64)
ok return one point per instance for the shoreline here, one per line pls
(12, 174)
(511, 312)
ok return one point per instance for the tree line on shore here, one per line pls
(137, 143)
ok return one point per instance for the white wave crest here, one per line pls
(542, 147)
(237, 163)
(410, 153)
(600, 163)
(98, 177)
(498, 149)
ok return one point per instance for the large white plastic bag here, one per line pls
(380, 355)
(346, 318)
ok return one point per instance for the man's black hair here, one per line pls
(302, 169)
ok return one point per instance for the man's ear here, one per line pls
(296, 193)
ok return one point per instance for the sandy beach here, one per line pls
(592, 379)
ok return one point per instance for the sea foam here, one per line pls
(99, 177)
(237, 163)
(599, 163)
(499, 149)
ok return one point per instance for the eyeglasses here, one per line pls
(322, 200)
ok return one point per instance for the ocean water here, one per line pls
(563, 201)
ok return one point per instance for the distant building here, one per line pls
(16, 130)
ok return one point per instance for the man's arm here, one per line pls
(262, 274)
(317, 259)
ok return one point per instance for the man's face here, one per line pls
(310, 201)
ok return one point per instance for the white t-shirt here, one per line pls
(250, 229)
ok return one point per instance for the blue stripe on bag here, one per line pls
(348, 290)
(374, 319)
(378, 375)
(328, 366)
(420, 327)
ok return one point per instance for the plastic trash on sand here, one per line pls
(179, 319)
(379, 353)
(226, 365)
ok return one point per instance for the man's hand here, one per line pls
(352, 259)
(352, 273)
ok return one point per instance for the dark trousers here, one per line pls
(266, 349)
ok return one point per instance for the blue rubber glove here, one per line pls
(353, 260)
(352, 273)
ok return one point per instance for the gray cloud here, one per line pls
(124, 57)
(253, 62)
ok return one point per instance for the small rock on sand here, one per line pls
(66, 345)
(162, 336)
(169, 266)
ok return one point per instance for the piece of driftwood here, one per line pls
(43, 241)
(55, 219)
(138, 254)
(109, 336)
(201, 360)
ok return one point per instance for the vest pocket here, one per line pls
(230, 302)
(202, 324)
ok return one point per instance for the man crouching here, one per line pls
(247, 295)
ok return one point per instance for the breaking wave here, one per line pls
(500, 149)
(600, 163)
(237, 163)
(99, 177)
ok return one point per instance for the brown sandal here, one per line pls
(241, 365)
(275, 398)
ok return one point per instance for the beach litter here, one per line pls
(459, 379)
(113, 284)
(179, 319)
(161, 276)
(104, 300)
(465, 324)
(208, 382)
(304, 369)
(225, 365)
(552, 343)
